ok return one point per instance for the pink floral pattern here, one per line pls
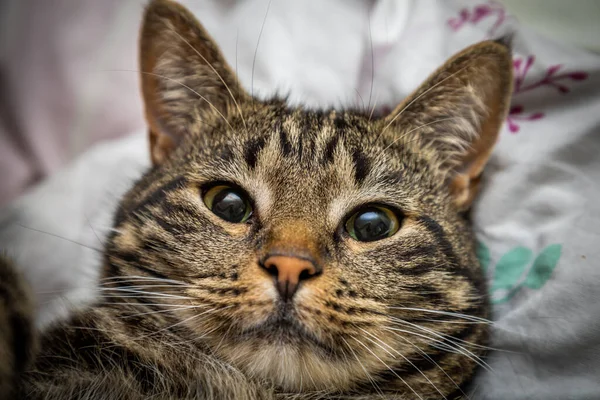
(479, 13)
(522, 66)
(551, 79)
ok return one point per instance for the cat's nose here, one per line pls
(289, 271)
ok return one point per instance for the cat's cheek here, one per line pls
(264, 289)
(258, 302)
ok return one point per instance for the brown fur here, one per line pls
(16, 328)
(187, 311)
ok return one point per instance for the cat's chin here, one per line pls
(283, 351)
(293, 363)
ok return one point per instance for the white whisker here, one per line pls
(405, 359)
(369, 376)
(441, 345)
(437, 121)
(388, 367)
(445, 340)
(165, 311)
(418, 97)
(256, 49)
(145, 304)
(218, 75)
(427, 357)
(137, 287)
(135, 296)
(164, 295)
(140, 277)
(183, 85)
(451, 314)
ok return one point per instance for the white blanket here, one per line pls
(538, 217)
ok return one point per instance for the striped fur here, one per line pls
(188, 313)
(16, 328)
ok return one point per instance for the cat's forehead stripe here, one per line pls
(311, 138)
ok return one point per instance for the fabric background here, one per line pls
(537, 218)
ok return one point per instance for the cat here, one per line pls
(275, 252)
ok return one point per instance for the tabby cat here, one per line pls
(274, 252)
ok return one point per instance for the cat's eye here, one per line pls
(228, 203)
(372, 223)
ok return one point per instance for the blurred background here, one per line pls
(68, 67)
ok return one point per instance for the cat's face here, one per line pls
(315, 250)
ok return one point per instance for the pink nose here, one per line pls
(289, 271)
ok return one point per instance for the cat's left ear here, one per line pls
(185, 78)
(455, 116)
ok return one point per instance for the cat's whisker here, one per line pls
(140, 293)
(165, 311)
(374, 106)
(138, 287)
(143, 288)
(308, 371)
(207, 333)
(435, 343)
(256, 49)
(444, 336)
(217, 326)
(60, 237)
(448, 313)
(58, 292)
(218, 346)
(437, 121)
(388, 367)
(93, 230)
(452, 322)
(182, 85)
(403, 357)
(216, 73)
(143, 304)
(446, 342)
(428, 358)
(372, 61)
(205, 313)
(158, 294)
(360, 97)
(418, 97)
(449, 337)
(139, 277)
(368, 375)
(445, 346)
(237, 76)
(380, 345)
(146, 283)
(117, 296)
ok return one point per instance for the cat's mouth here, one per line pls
(283, 327)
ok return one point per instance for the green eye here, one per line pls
(228, 203)
(372, 223)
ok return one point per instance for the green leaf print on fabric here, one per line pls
(512, 265)
(543, 266)
(510, 268)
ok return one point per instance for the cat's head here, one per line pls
(315, 250)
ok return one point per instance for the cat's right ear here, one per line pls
(185, 78)
(454, 117)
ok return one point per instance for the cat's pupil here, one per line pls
(372, 224)
(229, 205)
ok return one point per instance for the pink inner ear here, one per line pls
(161, 145)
